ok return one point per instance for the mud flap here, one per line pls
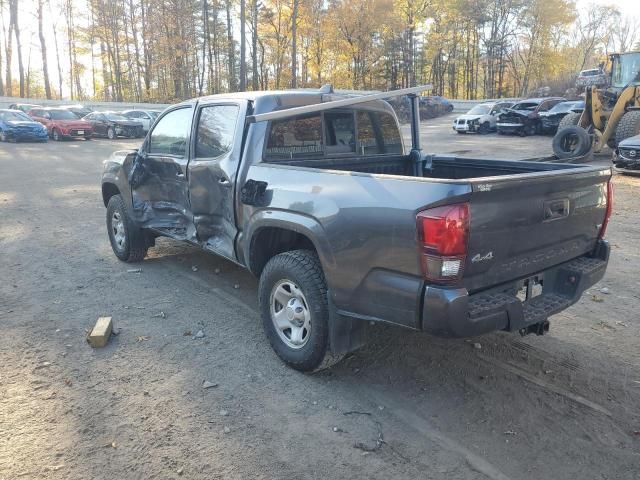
(346, 334)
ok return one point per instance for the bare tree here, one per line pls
(294, 45)
(243, 47)
(43, 50)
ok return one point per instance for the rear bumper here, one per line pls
(455, 313)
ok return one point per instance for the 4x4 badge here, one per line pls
(481, 258)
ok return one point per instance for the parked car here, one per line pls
(447, 106)
(16, 125)
(523, 117)
(145, 117)
(23, 107)
(80, 111)
(481, 118)
(430, 107)
(345, 227)
(627, 156)
(592, 77)
(61, 123)
(112, 125)
(550, 120)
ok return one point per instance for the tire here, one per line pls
(127, 240)
(484, 128)
(87, 137)
(3, 136)
(461, 132)
(55, 134)
(629, 126)
(571, 142)
(297, 277)
(111, 133)
(569, 120)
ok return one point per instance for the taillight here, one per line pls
(443, 233)
(608, 211)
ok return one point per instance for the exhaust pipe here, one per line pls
(538, 328)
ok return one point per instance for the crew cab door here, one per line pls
(160, 198)
(216, 150)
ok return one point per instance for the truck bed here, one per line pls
(433, 166)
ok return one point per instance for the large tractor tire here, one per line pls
(629, 126)
(571, 119)
(571, 142)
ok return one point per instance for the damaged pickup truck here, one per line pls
(316, 195)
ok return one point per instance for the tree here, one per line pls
(43, 50)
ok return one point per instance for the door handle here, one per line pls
(180, 175)
(223, 181)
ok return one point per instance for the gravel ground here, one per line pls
(562, 406)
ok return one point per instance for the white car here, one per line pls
(481, 118)
(145, 117)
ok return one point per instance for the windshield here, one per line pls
(114, 117)
(525, 106)
(626, 70)
(14, 117)
(565, 107)
(479, 110)
(62, 115)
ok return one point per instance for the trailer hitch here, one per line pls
(539, 328)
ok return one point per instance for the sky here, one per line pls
(626, 7)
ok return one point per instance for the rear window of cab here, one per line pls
(333, 133)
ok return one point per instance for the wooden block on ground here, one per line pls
(101, 332)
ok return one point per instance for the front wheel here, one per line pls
(111, 134)
(127, 240)
(294, 310)
(484, 128)
(56, 135)
(3, 136)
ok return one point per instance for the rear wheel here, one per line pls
(629, 126)
(294, 310)
(127, 240)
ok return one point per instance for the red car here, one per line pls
(61, 123)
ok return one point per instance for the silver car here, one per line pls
(145, 117)
(481, 118)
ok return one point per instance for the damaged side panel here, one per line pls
(160, 192)
(216, 149)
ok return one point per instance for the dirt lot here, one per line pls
(562, 406)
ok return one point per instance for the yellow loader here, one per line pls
(611, 114)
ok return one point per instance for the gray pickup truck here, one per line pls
(315, 194)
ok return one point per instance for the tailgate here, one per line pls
(523, 224)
